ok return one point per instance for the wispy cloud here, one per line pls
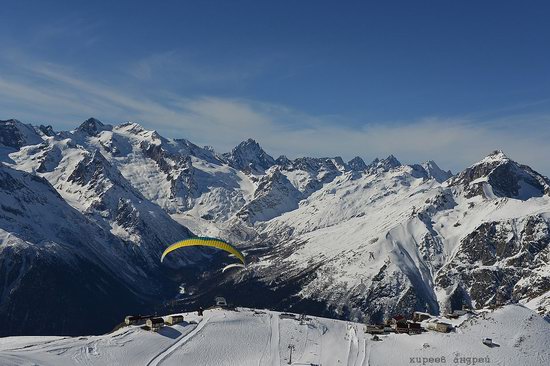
(189, 67)
(146, 68)
(45, 92)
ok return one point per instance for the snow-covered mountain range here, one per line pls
(85, 215)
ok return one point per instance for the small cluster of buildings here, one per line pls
(400, 324)
(153, 323)
(418, 323)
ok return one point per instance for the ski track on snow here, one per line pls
(162, 356)
(275, 340)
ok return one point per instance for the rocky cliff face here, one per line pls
(499, 262)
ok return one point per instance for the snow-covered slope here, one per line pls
(92, 185)
(395, 240)
(275, 195)
(251, 337)
(357, 240)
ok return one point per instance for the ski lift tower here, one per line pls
(290, 348)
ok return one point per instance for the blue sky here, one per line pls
(442, 80)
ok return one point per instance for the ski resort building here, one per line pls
(398, 324)
(398, 321)
(155, 324)
(414, 328)
(419, 316)
(132, 319)
(439, 327)
(174, 319)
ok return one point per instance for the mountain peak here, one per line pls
(385, 164)
(497, 152)
(249, 155)
(391, 161)
(434, 171)
(497, 156)
(46, 130)
(283, 161)
(131, 127)
(249, 143)
(497, 175)
(16, 134)
(357, 164)
(10, 121)
(93, 126)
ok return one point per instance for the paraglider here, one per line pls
(206, 242)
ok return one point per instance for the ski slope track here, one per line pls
(166, 353)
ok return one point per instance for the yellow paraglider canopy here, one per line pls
(205, 242)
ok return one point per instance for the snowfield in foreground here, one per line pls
(252, 337)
